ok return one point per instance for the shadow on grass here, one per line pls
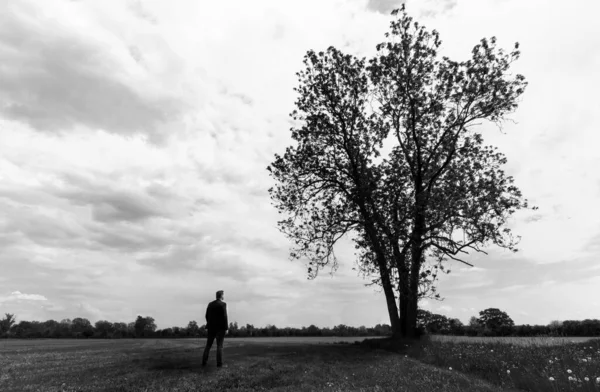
(404, 346)
(175, 364)
(173, 360)
(191, 360)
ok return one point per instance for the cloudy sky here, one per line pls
(134, 137)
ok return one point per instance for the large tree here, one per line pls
(437, 194)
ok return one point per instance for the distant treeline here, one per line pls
(145, 327)
(492, 322)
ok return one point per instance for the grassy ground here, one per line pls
(174, 365)
(529, 341)
(527, 364)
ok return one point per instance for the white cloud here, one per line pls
(466, 271)
(445, 308)
(384, 6)
(515, 287)
(474, 285)
(17, 295)
(85, 310)
(135, 138)
(83, 70)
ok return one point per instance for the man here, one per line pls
(217, 326)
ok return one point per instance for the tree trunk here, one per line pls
(412, 306)
(416, 254)
(382, 263)
(403, 299)
(389, 297)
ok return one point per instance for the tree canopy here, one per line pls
(7, 322)
(144, 325)
(494, 319)
(437, 194)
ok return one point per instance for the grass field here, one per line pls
(529, 364)
(253, 364)
(536, 341)
(299, 364)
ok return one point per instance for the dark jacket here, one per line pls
(216, 316)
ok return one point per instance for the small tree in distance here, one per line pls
(6, 323)
(474, 322)
(494, 319)
(144, 326)
(193, 329)
(82, 327)
(104, 328)
(555, 327)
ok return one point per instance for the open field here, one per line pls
(253, 364)
(18, 344)
(527, 341)
(529, 364)
(302, 364)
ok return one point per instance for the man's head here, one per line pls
(220, 295)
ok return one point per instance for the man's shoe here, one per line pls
(221, 365)
(203, 364)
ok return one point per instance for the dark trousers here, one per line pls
(220, 335)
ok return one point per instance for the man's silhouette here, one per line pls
(217, 326)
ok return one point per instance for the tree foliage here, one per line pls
(433, 323)
(494, 319)
(193, 328)
(438, 193)
(427, 321)
(144, 326)
(474, 322)
(7, 322)
(80, 324)
(104, 328)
